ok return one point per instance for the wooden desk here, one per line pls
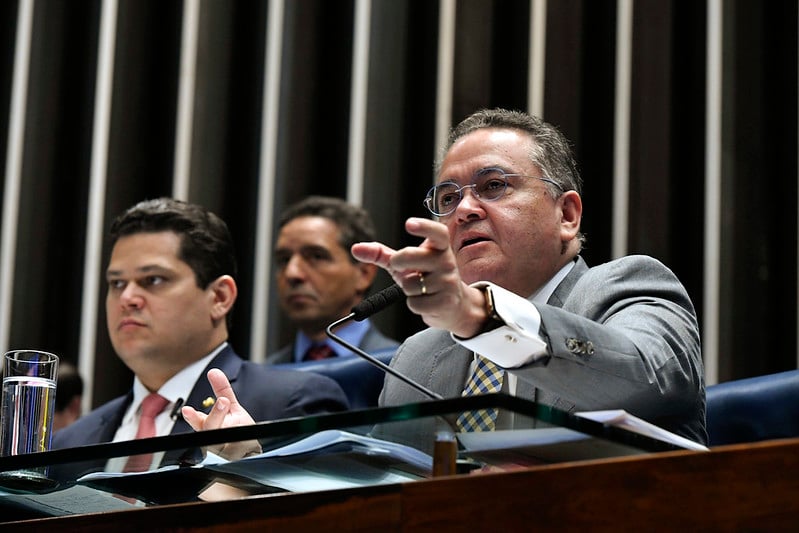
(738, 487)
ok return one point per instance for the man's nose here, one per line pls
(131, 296)
(295, 268)
(469, 203)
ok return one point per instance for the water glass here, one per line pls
(28, 402)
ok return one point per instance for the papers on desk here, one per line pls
(330, 459)
(622, 419)
(336, 459)
(507, 449)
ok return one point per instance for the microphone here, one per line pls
(368, 307)
(377, 302)
(175, 413)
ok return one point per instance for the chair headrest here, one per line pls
(360, 379)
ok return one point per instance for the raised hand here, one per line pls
(227, 412)
(428, 275)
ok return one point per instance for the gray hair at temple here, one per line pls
(551, 151)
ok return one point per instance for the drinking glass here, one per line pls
(28, 401)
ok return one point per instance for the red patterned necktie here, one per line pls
(317, 352)
(151, 407)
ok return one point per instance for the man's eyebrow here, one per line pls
(492, 168)
(478, 172)
(146, 269)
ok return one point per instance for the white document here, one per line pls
(622, 419)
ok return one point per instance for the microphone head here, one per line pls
(377, 302)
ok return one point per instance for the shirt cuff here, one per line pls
(517, 342)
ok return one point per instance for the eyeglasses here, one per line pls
(488, 184)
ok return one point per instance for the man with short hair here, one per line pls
(318, 280)
(171, 290)
(499, 280)
(512, 306)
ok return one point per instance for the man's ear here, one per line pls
(366, 275)
(571, 208)
(223, 292)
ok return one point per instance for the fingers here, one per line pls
(435, 234)
(216, 418)
(420, 270)
(221, 385)
(372, 252)
(201, 421)
(193, 417)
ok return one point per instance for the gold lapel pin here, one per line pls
(208, 402)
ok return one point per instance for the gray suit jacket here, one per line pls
(646, 351)
(373, 341)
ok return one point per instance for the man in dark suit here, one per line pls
(171, 289)
(318, 281)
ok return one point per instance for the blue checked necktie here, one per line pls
(486, 378)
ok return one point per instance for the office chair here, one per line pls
(753, 409)
(361, 381)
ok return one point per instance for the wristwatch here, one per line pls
(493, 320)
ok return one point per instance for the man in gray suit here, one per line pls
(318, 280)
(499, 274)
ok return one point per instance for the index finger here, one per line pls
(372, 252)
(436, 234)
(221, 385)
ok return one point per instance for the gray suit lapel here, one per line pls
(565, 287)
(449, 370)
(524, 389)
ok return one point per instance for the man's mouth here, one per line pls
(299, 298)
(129, 322)
(473, 240)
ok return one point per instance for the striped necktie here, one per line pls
(486, 378)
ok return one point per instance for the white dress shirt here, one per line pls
(518, 342)
(177, 388)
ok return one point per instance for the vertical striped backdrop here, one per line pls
(683, 115)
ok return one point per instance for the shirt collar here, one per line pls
(543, 294)
(178, 386)
(353, 332)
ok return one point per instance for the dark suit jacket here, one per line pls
(645, 358)
(373, 341)
(267, 394)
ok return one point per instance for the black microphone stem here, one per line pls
(384, 367)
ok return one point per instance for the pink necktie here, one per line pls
(315, 353)
(151, 407)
